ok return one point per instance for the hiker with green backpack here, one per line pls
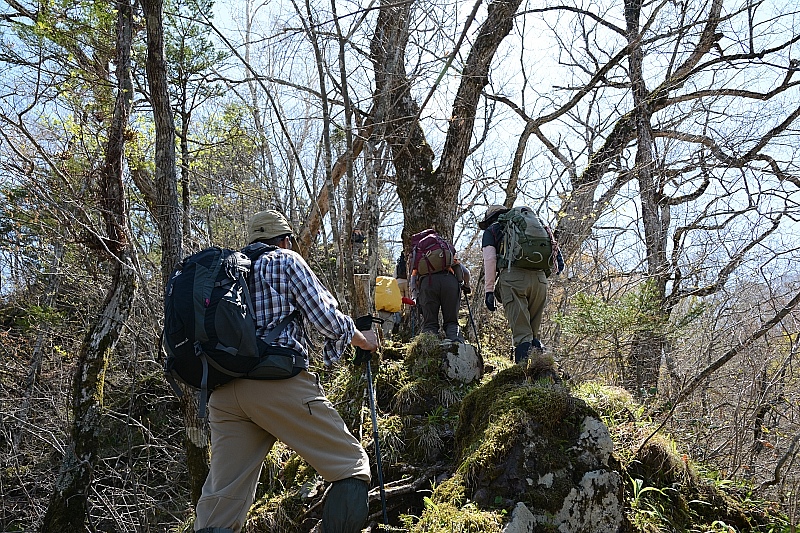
(247, 416)
(519, 254)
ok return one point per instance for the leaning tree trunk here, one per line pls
(429, 197)
(67, 510)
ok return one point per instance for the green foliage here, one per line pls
(296, 471)
(607, 324)
(615, 405)
(447, 511)
(649, 506)
(190, 50)
(424, 355)
(430, 433)
(29, 231)
(281, 466)
(421, 379)
(278, 512)
(668, 491)
(36, 316)
(390, 432)
(496, 347)
(591, 316)
(493, 443)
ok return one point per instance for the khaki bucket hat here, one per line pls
(492, 212)
(266, 225)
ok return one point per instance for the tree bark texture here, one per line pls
(643, 365)
(168, 214)
(169, 221)
(67, 510)
(429, 196)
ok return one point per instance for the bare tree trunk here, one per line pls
(168, 214)
(349, 225)
(430, 197)
(580, 209)
(643, 365)
(183, 140)
(642, 368)
(373, 170)
(67, 510)
(168, 218)
(319, 208)
(341, 239)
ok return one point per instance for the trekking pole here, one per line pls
(472, 321)
(364, 323)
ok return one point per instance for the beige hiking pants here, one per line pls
(524, 295)
(246, 418)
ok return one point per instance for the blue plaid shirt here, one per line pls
(283, 282)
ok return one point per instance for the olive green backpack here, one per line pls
(527, 243)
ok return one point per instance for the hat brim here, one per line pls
(485, 223)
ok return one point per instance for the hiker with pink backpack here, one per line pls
(437, 279)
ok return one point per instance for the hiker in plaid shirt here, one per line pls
(248, 416)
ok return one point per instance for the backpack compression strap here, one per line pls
(510, 242)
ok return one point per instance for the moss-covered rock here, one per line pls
(523, 438)
(516, 452)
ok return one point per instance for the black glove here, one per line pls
(490, 304)
(364, 323)
(466, 289)
(362, 356)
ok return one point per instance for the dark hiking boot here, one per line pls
(521, 352)
(346, 506)
(537, 345)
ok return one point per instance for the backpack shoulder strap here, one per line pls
(274, 332)
(253, 251)
(256, 249)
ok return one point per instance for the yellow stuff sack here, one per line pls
(387, 294)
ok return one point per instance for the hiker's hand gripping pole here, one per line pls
(364, 323)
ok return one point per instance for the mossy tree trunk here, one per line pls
(67, 510)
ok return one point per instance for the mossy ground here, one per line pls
(425, 419)
(447, 510)
(666, 490)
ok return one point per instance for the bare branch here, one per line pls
(730, 354)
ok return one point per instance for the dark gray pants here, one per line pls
(440, 292)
